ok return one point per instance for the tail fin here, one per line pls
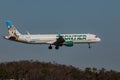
(12, 31)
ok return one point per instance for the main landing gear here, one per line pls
(50, 47)
(56, 47)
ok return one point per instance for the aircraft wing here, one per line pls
(59, 41)
(51, 42)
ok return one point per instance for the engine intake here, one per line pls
(69, 43)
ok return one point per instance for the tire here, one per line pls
(50, 47)
(56, 47)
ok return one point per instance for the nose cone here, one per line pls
(98, 39)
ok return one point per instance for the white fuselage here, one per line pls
(50, 38)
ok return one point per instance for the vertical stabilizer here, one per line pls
(12, 31)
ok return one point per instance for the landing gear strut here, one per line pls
(50, 47)
(89, 45)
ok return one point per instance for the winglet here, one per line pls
(28, 33)
(58, 34)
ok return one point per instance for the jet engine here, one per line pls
(69, 43)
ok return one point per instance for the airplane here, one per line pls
(57, 40)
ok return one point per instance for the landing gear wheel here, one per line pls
(50, 47)
(57, 47)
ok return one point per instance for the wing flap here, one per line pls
(51, 42)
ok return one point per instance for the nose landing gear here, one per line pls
(89, 46)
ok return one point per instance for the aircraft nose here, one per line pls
(98, 39)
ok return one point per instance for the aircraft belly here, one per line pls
(41, 40)
(84, 41)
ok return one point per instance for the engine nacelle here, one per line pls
(69, 43)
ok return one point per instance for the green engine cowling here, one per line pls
(69, 43)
